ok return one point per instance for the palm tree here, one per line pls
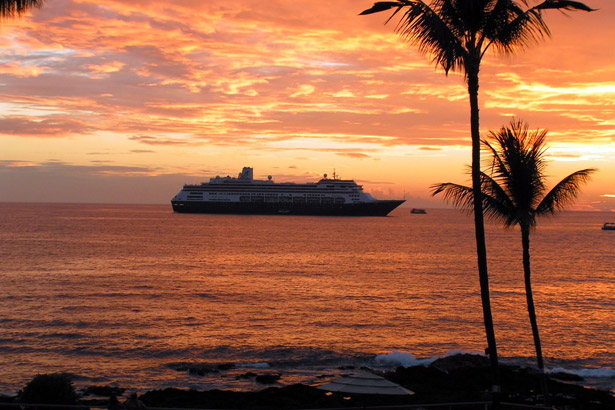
(514, 193)
(15, 8)
(456, 34)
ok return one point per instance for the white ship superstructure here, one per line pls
(329, 196)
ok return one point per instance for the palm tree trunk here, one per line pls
(525, 241)
(479, 229)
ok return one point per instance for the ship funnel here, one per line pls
(246, 174)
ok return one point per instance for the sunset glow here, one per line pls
(136, 99)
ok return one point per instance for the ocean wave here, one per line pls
(396, 358)
(62, 335)
(406, 359)
(289, 358)
(89, 379)
(206, 296)
(259, 365)
(593, 372)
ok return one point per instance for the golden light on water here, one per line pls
(120, 292)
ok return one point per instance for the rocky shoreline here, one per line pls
(459, 378)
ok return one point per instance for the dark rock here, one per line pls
(460, 361)
(179, 367)
(201, 370)
(105, 391)
(566, 377)
(248, 375)
(296, 396)
(197, 369)
(468, 379)
(7, 399)
(267, 378)
(464, 380)
(431, 385)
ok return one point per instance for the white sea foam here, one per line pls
(396, 358)
(455, 352)
(604, 372)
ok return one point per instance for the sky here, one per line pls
(115, 101)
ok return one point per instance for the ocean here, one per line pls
(139, 297)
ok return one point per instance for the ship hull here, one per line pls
(375, 208)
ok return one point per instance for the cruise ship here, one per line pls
(244, 195)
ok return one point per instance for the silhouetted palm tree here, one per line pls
(15, 8)
(514, 193)
(456, 34)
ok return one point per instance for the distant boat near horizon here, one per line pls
(244, 195)
(608, 226)
(418, 211)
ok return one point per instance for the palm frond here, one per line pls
(450, 31)
(460, 196)
(433, 34)
(512, 27)
(564, 193)
(497, 204)
(516, 180)
(430, 28)
(517, 156)
(529, 27)
(509, 27)
(382, 6)
(496, 164)
(11, 9)
(563, 5)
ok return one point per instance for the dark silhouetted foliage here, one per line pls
(54, 388)
(515, 193)
(14, 8)
(455, 35)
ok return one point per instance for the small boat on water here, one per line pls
(418, 211)
(608, 226)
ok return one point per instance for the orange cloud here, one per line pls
(149, 140)
(16, 68)
(51, 126)
(312, 80)
(357, 155)
(17, 164)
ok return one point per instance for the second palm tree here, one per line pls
(514, 192)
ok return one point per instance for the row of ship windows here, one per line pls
(199, 194)
(285, 199)
(274, 189)
(292, 185)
